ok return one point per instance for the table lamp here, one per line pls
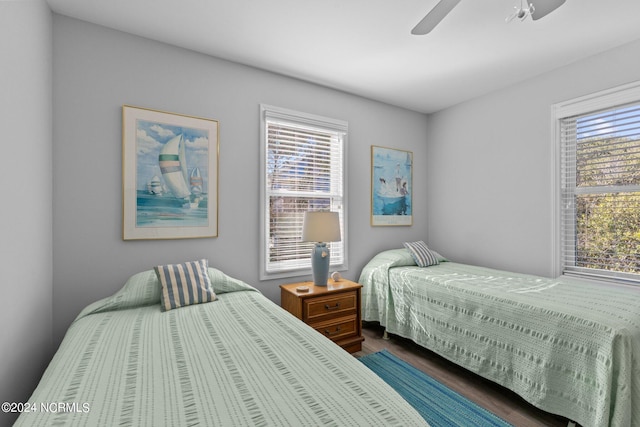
(320, 227)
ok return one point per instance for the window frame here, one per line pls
(593, 103)
(304, 120)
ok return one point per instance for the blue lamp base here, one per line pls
(320, 264)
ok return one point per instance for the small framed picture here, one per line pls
(391, 186)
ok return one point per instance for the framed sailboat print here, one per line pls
(391, 186)
(169, 175)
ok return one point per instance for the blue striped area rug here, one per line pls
(438, 404)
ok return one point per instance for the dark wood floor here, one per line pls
(493, 397)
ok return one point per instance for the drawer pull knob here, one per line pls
(329, 333)
(328, 307)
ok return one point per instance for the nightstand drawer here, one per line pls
(329, 307)
(339, 328)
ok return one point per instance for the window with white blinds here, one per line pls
(600, 192)
(302, 170)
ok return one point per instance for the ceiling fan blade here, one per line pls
(434, 17)
(544, 7)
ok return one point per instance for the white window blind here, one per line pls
(600, 193)
(303, 170)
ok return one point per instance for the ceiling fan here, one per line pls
(536, 8)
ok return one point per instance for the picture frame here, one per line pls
(391, 187)
(169, 175)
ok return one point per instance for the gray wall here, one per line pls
(25, 229)
(97, 70)
(489, 164)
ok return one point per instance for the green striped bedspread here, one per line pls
(568, 347)
(238, 361)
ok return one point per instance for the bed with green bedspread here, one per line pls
(568, 347)
(238, 361)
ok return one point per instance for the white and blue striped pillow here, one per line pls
(422, 255)
(185, 284)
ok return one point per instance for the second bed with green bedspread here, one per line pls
(568, 347)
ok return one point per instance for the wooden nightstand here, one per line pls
(332, 310)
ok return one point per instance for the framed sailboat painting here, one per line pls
(169, 175)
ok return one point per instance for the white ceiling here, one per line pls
(365, 46)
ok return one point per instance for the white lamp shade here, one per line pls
(321, 227)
